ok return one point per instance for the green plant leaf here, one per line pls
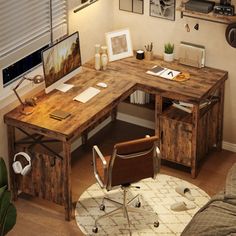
(4, 203)
(7, 209)
(10, 219)
(169, 48)
(3, 173)
(2, 189)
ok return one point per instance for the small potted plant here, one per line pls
(169, 52)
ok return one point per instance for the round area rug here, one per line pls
(156, 196)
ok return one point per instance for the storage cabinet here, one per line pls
(176, 136)
(177, 131)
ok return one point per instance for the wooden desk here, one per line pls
(50, 177)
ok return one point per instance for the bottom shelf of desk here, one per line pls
(45, 179)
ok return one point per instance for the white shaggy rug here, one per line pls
(156, 195)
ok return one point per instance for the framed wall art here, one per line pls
(119, 44)
(135, 6)
(83, 3)
(163, 8)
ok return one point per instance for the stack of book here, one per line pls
(188, 107)
(139, 97)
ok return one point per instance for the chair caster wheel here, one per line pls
(102, 207)
(138, 204)
(95, 229)
(156, 224)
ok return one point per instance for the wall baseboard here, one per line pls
(229, 146)
(78, 142)
(137, 121)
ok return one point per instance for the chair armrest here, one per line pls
(97, 151)
(98, 156)
(157, 163)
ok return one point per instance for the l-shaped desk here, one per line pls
(185, 138)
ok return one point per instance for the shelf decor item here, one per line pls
(104, 58)
(97, 57)
(119, 44)
(169, 52)
(149, 52)
(162, 8)
(28, 104)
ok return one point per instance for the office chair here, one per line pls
(130, 162)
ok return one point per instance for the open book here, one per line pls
(163, 72)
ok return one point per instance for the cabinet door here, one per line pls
(176, 141)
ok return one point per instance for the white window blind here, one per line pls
(26, 24)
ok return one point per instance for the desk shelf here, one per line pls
(221, 19)
(151, 105)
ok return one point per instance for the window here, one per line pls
(26, 27)
(17, 69)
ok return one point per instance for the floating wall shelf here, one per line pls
(208, 17)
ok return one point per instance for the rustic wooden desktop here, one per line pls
(184, 138)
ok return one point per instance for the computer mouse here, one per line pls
(102, 84)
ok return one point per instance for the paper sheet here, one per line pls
(164, 73)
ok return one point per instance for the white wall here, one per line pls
(145, 29)
(92, 23)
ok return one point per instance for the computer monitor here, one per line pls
(61, 61)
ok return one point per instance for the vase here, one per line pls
(97, 57)
(168, 57)
(104, 57)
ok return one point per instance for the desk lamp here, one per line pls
(27, 106)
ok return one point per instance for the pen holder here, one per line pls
(148, 55)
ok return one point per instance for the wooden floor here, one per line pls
(38, 217)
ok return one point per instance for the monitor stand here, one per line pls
(64, 87)
(60, 83)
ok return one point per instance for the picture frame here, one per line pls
(83, 3)
(135, 6)
(162, 8)
(119, 44)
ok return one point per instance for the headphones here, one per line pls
(17, 166)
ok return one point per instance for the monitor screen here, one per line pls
(61, 61)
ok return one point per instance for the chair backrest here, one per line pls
(132, 161)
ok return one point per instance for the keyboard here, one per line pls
(86, 95)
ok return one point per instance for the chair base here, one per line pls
(124, 208)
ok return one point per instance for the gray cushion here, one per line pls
(230, 188)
